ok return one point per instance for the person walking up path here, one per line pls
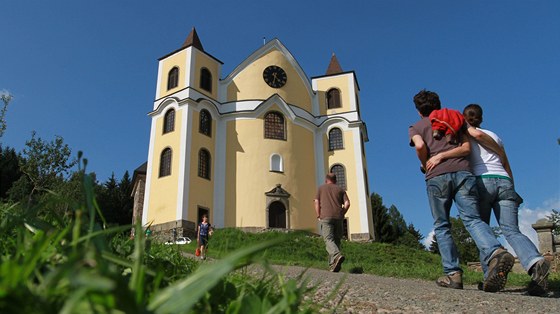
(448, 179)
(203, 232)
(331, 204)
(497, 192)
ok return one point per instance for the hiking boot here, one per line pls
(335, 267)
(480, 285)
(539, 278)
(498, 268)
(454, 281)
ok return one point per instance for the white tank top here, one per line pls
(484, 161)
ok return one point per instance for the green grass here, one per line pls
(71, 264)
(302, 249)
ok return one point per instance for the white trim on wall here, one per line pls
(360, 181)
(149, 171)
(220, 167)
(184, 167)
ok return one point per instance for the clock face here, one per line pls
(275, 76)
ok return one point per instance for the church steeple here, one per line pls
(193, 40)
(334, 66)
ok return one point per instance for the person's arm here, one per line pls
(505, 163)
(421, 149)
(488, 142)
(460, 151)
(346, 204)
(317, 208)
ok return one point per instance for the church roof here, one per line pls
(193, 40)
(334, 66)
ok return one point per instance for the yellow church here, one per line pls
(251, 147)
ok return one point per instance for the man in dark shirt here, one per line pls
(331, 204)
(448, 179)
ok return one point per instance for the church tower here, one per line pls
(250, 149)
(177, 137)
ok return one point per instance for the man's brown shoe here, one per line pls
(454, 281)
(498, 268)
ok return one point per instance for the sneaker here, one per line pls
(335, 267)
(498, 268)
(454, 281)
(539, 278)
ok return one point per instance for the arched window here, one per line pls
(169, 121)
(340, 173)
(204, 164)
(274, 126)
(205, 126)
(276, 164)
(206, 79)
(333, 99)
(173, 78)
(165, 163)
(335, 139)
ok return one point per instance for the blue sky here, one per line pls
(86, 70)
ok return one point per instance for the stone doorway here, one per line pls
(277, 215)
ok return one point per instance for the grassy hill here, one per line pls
(303, 249)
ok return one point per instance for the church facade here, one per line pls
(250, 148)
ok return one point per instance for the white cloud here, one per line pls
(427, 241)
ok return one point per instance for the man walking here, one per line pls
(331, 204)
(495, 186)
(448, 179)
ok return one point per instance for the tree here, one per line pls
(412, 238)
(126, 201)
(397, 223)
(6, 99)
(380, 218)
(554, 217)
(468, 251)
(9, 170)
(44, 164)
(390, 226)
(115, 200)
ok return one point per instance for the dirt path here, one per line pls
(362, 293)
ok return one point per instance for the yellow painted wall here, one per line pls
(249, 83)
(177, 60)
(163, 191)
(201, 60)
(339, 82)
(201, 190)
(346, 158)
(248, 176)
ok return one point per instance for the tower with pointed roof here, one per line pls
(250, 149)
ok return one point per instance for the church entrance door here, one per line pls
(277, 215)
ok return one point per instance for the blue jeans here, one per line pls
(499, 194)
(331, 229)
(459, 187)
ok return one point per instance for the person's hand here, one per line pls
(434, 161)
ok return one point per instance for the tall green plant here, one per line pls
(83, 267)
